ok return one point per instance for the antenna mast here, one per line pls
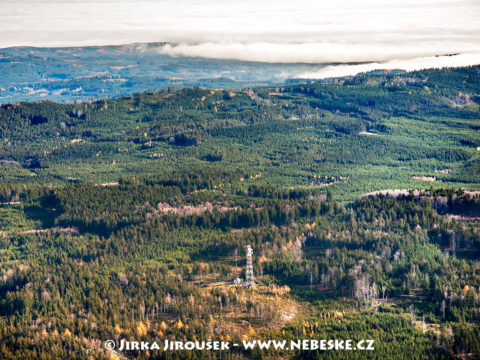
(249, 278)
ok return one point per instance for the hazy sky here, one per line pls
(388, 32)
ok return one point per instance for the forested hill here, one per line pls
(155, 258)
(129, 218)
(354, 135)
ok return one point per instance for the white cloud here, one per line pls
(329, 52)
(387, 32)
(409, 65)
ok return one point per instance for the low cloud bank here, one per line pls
(409, 65)
(321, 53)
(397, 33)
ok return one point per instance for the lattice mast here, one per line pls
(249, 278)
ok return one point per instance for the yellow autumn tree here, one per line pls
(141, 329)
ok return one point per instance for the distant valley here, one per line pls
(84, 73)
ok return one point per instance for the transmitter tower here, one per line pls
(249, 278)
